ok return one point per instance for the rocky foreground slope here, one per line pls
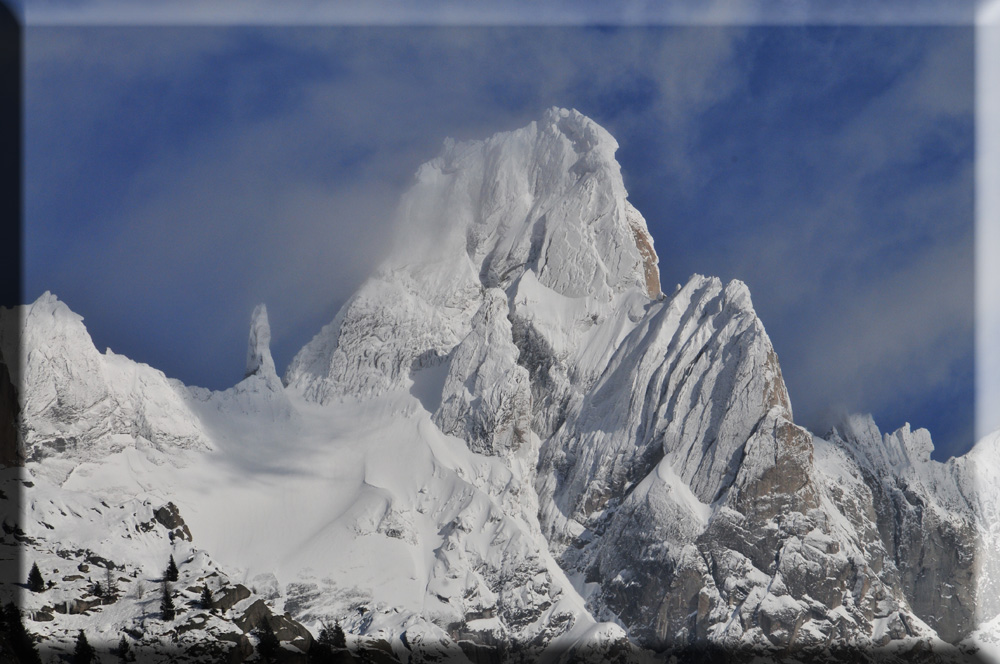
(508, 444)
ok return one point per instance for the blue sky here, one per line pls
(176, 176)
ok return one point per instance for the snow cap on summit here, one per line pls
(548, 197)
(586, 135)
(259, 347)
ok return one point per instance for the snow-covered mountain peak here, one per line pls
(587, 135)
(51, 354)
(548, 197)
(541, 210)
(48, 304)
(46, 326)
(76, 403)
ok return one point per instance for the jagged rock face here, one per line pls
(690, 411)
(924, 521)
(684, 390)
(486, 398)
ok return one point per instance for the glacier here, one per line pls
(509, 443)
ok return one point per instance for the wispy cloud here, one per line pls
(199, 170)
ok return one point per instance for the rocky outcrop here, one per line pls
(229, 597)
(486, 397)
(284, 628)
(644, 243)
(169, 517)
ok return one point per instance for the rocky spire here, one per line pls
(259, 360)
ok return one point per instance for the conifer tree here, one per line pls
(23, 647)
(339, 639)
(325, 634)
(206, 598)
(84, 652)
(110, 585)
(98, 589)
(320, 652)
(36, 583)
(321, 649)
(172, 573)
(167, 603)
(267, 643)
(124, 651)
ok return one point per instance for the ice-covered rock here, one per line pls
(260, 395)
(486, 395)
(259, 360)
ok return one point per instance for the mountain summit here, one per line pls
(508, 442)
(543, 205)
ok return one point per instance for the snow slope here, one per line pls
(322, 510)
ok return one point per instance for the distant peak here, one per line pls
(259, 359)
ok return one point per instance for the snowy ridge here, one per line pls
(507, 436)
(78, 404)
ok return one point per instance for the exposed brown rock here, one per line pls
(652, 273)
(170, 518)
